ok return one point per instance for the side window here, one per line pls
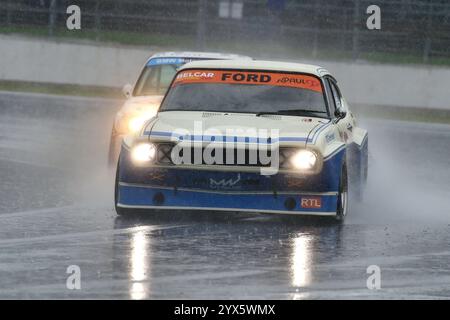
(155, 80)
(330, 95)
(147, 84)
(336, 95)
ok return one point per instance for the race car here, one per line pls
(246, 136)
(144, 97)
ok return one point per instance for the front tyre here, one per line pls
(342, 201)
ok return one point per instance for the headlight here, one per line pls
(304, 160)
(135, 124)
(132, 122)
(143, 152)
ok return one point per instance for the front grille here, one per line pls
(163, 156)
(285, 155)
(230, 156)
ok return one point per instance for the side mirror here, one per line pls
(340, 114)
(127, 90)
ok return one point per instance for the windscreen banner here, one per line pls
(301, 81)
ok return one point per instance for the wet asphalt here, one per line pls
(56, 211)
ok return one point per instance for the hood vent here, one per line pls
(211, 114)
(271, 116)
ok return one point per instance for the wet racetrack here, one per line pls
(56, 210)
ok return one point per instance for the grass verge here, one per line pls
(61, 89)
(120, 37)
(253, 48)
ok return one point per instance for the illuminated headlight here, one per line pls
(132, 122)
(135, 124)
(304, 160)
(143, 152)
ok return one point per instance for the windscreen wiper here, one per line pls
(295, 112)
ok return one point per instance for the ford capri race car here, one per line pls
(256, 136)
(144, 97)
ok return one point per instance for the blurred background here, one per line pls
(403, 64)
(414, 31)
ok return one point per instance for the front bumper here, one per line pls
(147, 197)
(170, 187)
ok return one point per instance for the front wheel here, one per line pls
(342, 200)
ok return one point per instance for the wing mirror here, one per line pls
(126, 90)
(340, 114)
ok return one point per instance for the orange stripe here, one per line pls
(249, 77)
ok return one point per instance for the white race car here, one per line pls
(144, 97)
(255, 136)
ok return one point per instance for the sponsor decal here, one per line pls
(160, 61)
(254, 77)
(299, 81)
(330, 137)
(245, 77)
(293, 183)
(224, 183)
(202, 182)
(199, 76)
(311, 202)
(156, 176)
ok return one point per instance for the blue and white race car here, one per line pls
(255, 136)
(144, 97)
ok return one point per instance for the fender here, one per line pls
(358, 161)
(360, 137)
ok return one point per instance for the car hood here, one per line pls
(240, 124)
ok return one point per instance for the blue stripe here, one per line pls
(163, 61)
(143, 196)
(313, 139)
(294, 139)
(316, 134)
(224, 138)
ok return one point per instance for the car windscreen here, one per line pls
(157, 75)
(246, 91)
(155, 79)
